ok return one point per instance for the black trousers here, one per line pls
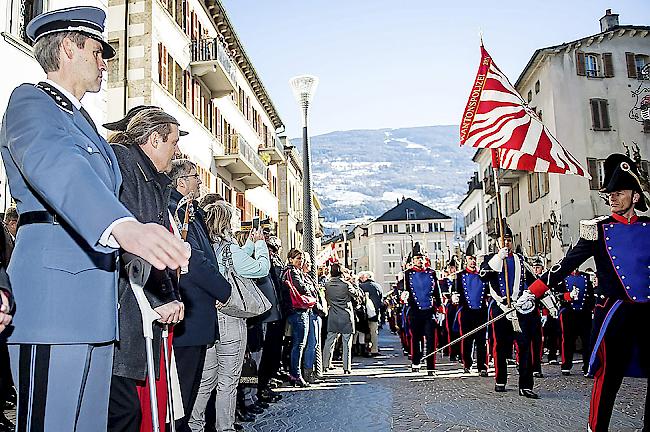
(124, 413)
(423, 330)
(450, 315)
(626, 338)
(468, 320)
(502, 342)
(536, 346)
(189, 365)
(575, 324)
(271, 353)
(551, 331)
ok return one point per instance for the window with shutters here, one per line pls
(163, 62)
(187, 83)
(179, 88)
(600, 115)
(196, 102)
(640, 61)
(580, 63)
(592, 167)
(608, 65)
(533, 187)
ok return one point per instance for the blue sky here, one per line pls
(398, 64)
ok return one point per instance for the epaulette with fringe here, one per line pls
(589, 228)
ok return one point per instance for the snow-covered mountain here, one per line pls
(362, 173)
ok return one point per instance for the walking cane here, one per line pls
(469, 333)
(138, 271)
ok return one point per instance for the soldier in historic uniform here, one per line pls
(424, 300)
(620, 246)
(536, 346)
(549, 321)
(65, 180)
(575, 318)
(517, 327)
(451, 332)
(470, 294)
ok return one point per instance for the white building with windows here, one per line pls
(584, 93)
(391, 237)
(473, 209)
(186, 57)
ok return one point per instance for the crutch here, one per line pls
(138, 271)
(170, 397)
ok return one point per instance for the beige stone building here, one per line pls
(186, 57)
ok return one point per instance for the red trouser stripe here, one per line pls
(494, 348)
(562, 342)
(462, 343)
(599, 379)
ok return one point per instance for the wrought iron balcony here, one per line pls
(211, 61)
(242, 161)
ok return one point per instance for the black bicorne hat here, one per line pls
(507, 232)
(470, 250)
(417, 250)
(621, 173)
(452, 262)
(537, 261)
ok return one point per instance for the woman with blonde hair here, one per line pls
(223, 362)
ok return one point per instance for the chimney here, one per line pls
(609, 21)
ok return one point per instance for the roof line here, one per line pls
(223, 25)
(564, 44)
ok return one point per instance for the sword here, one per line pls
(468, 334)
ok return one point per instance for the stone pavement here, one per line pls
(383, 395)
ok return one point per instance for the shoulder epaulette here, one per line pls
(589, 228)
(59, 98)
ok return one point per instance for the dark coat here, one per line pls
(374, 292)
(201, 285)
(145, 193)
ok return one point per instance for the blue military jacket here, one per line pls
(64, 281)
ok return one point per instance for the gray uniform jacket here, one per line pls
(339, 295)
(64, 281)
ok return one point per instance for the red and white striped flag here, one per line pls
(497, 117)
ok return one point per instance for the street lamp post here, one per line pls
(304, 87)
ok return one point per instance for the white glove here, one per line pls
(188, 246)
(503, 253)
(525, 303)
(575, 293)
(544, 319)
(455, 298)
(404, 296)
(440, 317)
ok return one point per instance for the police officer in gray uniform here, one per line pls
(65, 180)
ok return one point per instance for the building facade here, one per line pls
(584, 92)
(392, 236)
(473, 209)
(185, 57)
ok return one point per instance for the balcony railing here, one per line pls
(273, 147)
(242, 161)
(211, 61)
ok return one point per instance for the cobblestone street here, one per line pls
(383, 395)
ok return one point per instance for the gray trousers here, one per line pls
(374, 336)
(62, 387)
(347, 349)
(222, 369)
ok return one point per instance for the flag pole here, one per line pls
(497, 186)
